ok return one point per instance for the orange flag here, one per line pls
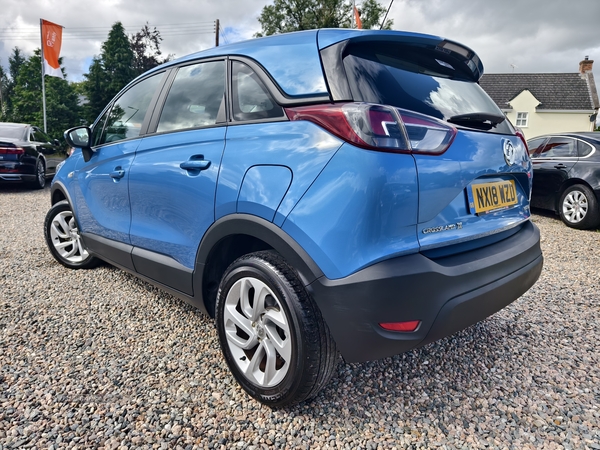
(51, 42)
(357, 18)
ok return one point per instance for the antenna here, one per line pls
(514, 66)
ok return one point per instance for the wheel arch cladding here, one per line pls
(235, 235)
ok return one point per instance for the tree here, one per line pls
(371, 15)
(62, 109)
(15, 61)
(145, 45)
(7, 84)
(3, 84)
(95, 91)
(117, 60)
(110, 72)
(284, 16)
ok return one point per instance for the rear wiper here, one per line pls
(478, 120)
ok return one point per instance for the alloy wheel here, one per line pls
(41, 174)
(258, 332)
(575, 206)
(65, 238)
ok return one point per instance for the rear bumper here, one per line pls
(16, 171)
(446, 295)
(16, 177)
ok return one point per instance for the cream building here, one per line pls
(543, 103)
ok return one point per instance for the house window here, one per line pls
(522, 119)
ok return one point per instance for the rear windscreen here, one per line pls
(420, 79)
(12, 132)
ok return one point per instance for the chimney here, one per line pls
(586, 65)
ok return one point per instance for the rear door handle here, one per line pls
(196, 162)
(118, 173)
(560, 166)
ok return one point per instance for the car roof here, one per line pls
(14, 125)
(580, 134)
(293, 59)
(591, 137)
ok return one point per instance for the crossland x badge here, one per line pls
(509, 152)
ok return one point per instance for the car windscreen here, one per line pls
(421, 79)
(12, 132)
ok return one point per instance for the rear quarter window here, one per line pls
(584, 149)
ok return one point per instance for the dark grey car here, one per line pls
(566, 176)
(27, 154)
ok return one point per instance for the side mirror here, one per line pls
(80, 137)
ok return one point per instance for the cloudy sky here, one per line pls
(508, 35)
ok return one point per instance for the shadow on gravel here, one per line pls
(553, 216)
(428, 380)
(16, 188)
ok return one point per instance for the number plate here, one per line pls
(487, 197)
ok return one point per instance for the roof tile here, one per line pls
(562, 91)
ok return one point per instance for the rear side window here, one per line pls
(194, 98)
(124, 120)
(38, 136)
(251, 100)
(418, 79)
(584, 149)
(534, 146)
(560, 147)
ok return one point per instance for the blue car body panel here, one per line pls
(297, 76)
(262, 190)
(444, 179)
(361, 209)
(303, 147)
(332, 36)
(172, 207)
(101, 199)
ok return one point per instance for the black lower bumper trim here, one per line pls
(446, 295)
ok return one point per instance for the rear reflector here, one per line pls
(379, 127)
(409, 326)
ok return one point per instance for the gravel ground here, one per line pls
(98, 359)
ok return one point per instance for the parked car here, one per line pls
(314, 192)
(566, 177)
(27, 154)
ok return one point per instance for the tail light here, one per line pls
(378, 127)
(519, 133)
(11, 150)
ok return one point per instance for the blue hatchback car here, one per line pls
(325, 191)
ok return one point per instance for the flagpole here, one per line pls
(43, 84)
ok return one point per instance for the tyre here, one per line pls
(578, 208)
(63, 240)
(40, 176)
(272, 335)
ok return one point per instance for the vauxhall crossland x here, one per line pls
(321, 192)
